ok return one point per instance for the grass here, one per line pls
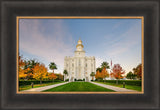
(21, 88)
(138, 88)
(79, 87)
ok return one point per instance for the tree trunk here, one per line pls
(92, 78)
(64, 77)
(40, 81)
(117, 81)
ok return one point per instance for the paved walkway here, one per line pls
(117, 89)
(44, 88)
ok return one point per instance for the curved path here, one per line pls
(117, 89)
(44, 88)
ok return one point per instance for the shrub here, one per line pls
(67, 80)
(128, 82)
(100, 80)
(23, 83)
(57, 80)
(79, 80)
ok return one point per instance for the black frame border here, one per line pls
(147, 8)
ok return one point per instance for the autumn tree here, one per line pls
(117, 72)
(40, 72)
(138, 71)
(52, 76)
(59, 76)
(21, 70)
(98, 75)
(52, 66)
(104, 73)
(101, 72)
(92, 75)
(29, 66)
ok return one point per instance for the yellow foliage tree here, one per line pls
(98, 75)
(104, 73)
(40, 72)
(21, 70)
(22, 73)
(52, 76)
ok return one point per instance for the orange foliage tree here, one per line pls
(40, 72)
(29, 66)
(138, 71)
(98, 75)
(117, 72)
(52, 76)
(59, 76)
(101, 72)
(104, 73)
(22, 73)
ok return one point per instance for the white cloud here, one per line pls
(52, 45)
(125, 41)
(120, 47)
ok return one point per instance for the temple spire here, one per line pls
(79, 45)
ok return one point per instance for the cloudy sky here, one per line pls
(50, 40)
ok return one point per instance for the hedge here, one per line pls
(129, 82)
(79, 80)
(67, 80)
(23, 83)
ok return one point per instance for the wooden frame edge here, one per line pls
(80, 17)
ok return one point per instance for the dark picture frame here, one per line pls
(149, 9)
(18, 18)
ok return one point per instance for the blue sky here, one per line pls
(48, 40)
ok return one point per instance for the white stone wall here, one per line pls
(79, 66)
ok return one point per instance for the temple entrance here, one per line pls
(87, 79)
(72, 79)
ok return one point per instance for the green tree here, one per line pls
(130, 75)
(99, 69)
(65, 72)
(29, 66)
(92, 75)
(52, 66)
(105, 65)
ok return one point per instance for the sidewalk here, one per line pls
(117, 89)
(44, 88)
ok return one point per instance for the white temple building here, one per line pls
(79, 67)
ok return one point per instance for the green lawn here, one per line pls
(21, 88)
(138, 88)
(79, 87)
